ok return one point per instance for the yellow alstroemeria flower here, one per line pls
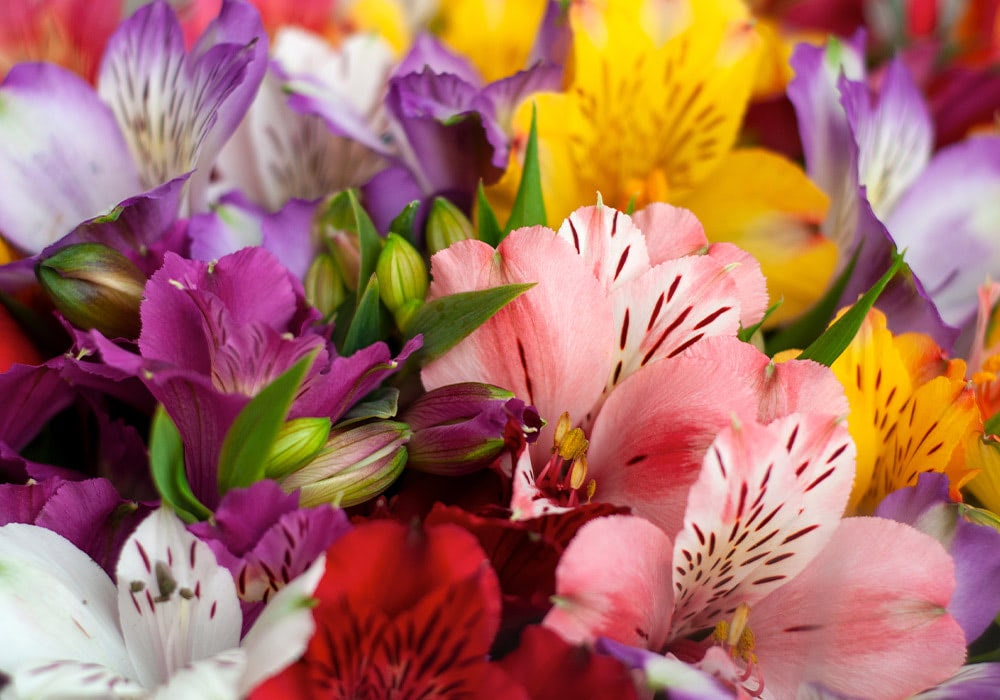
(495, 35)
(653, 102)
(911, 411)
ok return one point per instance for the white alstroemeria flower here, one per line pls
(170, 629)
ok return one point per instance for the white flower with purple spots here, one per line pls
(170, 628)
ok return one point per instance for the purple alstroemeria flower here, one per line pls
(446, 131)
(214, 334)
(679, 680)
(279, 153)
(265, 540)
(975, 548)
(69, 154)
(873, 156)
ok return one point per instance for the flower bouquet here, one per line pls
(476, 349)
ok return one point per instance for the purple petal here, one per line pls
(62, 157)
(906, 304)
(507, 93)
(681, 681)
(31, 396)
(894, 137)
(554, 38)
(389, 192)
(429, 53)
(972, 682)
(829, 147)
(330, 391)
(957, 193)
(90, 514)
(176, 109)
(265, 540)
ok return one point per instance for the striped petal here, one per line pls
(176, 604)
(767, 500)
(176, 108)
(609, 241)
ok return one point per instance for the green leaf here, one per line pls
(345, 212)
(447, 320)
(403, 223)
(256, 428)
(827, 348)
(811, 325)
(380, 403)
(529, 206)
(366, 326)
(486, 220)
(745, 334)
(992, 425)
(166, 461)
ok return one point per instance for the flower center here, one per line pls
(738, 639)
(565, 474)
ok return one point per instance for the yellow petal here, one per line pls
(387, 18)
(496, 35)
(984, 451)
(765, 204)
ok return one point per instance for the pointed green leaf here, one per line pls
(166, 461)
(256, 428)
(402, 225)
(745, 334)
(827, 348)
(447, 320)
(486, 220)
(811, 325)
(529, 206)
(366, 326)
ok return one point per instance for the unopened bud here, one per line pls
(324, 285)
(355, 465)
(336, 228)
(461, 428)
(299, 440)
(446, 224)
(94, 286)
(401, 272)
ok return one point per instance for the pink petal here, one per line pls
(670, 308)
(614, 581)
(551, 346)
(865, 619)
(648, 442)
(609, 241)
(795, 386)
(671, 232)
(766, 502)
(751, 287)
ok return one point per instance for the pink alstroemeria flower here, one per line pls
(627, 312)
(765, 585)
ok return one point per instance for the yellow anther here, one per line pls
(578, 472)
(574, 444)
(736, 635)
(591, 488)
(562, 427)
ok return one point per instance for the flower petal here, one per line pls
(767, 501)
(176, 604)
(73, 679)
(866, 618)
(613, 581)
(57, 170)
(56, 602)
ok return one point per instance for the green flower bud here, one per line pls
(324, 285)
(401, 272)
(94, 286)
(356, 464)
(335, 227)
(446, 224)
(299, 440)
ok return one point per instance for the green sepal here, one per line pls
(827, 348)
(403, 224)
(366, 325)
(811, 325)
(447, 320)
(486, 220)
(529, 206)
(243, 458)
(381, 403)
(166, 462)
